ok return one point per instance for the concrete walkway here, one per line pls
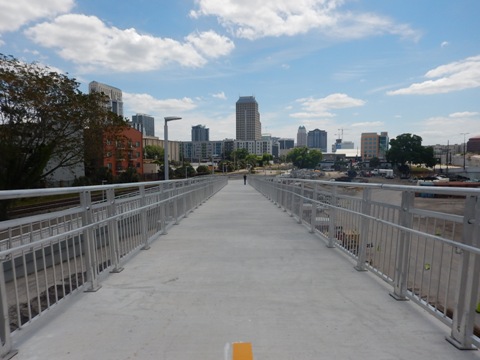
(238, 269)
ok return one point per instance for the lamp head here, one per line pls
(171, 118)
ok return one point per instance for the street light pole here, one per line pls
(165, 144)
(464, 150)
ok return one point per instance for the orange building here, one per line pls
(124, 152)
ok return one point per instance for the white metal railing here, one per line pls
(423, 241)
(46, 258)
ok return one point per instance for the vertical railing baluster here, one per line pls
(113, 238)
(332, 219)
(91, 263)
(6, 351)
(403, 248)
(313, 213)
(363, 239)
(468, 278)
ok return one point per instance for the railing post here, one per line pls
(364, 229)
(175, 203)
(163, 210)
(284, 198)
(292, 199)
(143, 218)
(313, 213)
(278, 191)
(332, 219)
(6, 351)
(91, 261)
(114, 239)
(300, 203)
(464, 311)
(403, 248)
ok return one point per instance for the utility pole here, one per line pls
(464, 148)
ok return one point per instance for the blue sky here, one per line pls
(344, 66)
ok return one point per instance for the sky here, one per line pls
(343, 66)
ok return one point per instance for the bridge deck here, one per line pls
(238, 270)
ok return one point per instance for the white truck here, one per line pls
(387, 173)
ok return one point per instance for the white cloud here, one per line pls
(220, 95)
(145, 103)
(368, 124)
(455, 76)
(463, 114)
(91, 44)
(15, 13)
(320, 107)
(444, 44)
(210, 44)
(252, 19)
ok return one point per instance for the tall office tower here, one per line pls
(200, 133)
(374, 145)
(144, 123)
(317, 139)
(248, 123)
(114, 94)
(301, 136)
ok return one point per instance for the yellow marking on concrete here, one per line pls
(242, 351)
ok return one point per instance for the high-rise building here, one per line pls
(114, 95)
(317, 139)
(200, 133)
(144, 123)
(374, 145)
(248, 124)
(301, 136)
(286, 144)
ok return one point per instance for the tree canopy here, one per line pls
(43, 118)
(154, 152)
(407, 148)
(304, 158)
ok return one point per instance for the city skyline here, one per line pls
(345, 67)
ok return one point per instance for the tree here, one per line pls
(154, 152)
(239, 154)
(266, 158)
(252, 160)
(305, 158)
(407, 149)
(374, 162)
(185, 170)
(203, 170)
(43, 116)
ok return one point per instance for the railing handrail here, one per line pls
(69, 249)
(416, 233)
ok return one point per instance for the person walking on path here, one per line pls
(244, 179)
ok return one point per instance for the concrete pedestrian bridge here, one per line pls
(240, 269)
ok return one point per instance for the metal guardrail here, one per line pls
(46, 258)
(423, 241)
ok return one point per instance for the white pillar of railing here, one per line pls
(175, 203)
(313, 213)
(364, 230)
(185, 194)
(403, 248)
(284, 195)
(113, 237)
(91, 262)
(6, 351)
(300, 202)
(332, 223)
(143, 218)
(292, 197)
(466, 300)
